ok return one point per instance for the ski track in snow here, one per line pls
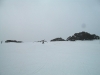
(52, 58)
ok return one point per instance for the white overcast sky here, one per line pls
(33, 20)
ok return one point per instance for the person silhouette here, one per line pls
(42, 41)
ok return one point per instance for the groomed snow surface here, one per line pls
(51, 58)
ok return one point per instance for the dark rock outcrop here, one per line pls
(82, 36)
(19, 42)
(7, 41)
(58, 39)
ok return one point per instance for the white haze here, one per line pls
(32, 20)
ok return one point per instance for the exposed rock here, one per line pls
(82, 36)
(58, 39)
(19, 41)
(7, 41)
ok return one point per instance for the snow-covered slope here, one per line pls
(52, 58)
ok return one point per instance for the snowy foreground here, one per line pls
(52, 58)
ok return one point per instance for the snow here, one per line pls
(51, 58)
